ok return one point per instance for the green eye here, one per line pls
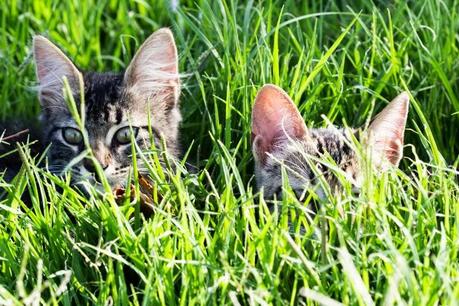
(124, 135)
(72, 136)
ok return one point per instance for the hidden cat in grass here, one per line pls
(280, 137)
(118, 107)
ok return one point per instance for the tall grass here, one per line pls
(212, 238)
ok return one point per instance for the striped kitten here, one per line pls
(280, 137)
(117, 107)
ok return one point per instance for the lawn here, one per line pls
(212, 239)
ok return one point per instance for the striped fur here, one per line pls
(146, 93)
(282, 140)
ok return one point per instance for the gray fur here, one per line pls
(282, 140)
(138, 98)
(296, 156)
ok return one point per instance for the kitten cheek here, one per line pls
(357, 183)
(355, 178)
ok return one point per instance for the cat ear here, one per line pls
(154, 69)
(275, 118)
(52, 65)
(387, 130)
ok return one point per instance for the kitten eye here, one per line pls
(72, 136)
(123, 135)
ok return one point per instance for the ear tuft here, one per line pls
(274, 118)
(387, 131)
(52, 65)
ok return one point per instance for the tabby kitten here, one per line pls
(280, 137)
(117, 107)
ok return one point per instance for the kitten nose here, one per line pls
(89, 165)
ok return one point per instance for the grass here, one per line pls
(212, 239)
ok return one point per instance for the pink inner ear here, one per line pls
(155, 62)
(51, 63)
(160, 48)
(275, 117)
(388, 128)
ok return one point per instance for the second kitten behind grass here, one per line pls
(281, 140)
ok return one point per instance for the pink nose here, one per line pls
(102, 155)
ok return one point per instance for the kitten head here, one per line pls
(280, 137)
(118, 107)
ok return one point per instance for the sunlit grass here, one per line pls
(212, 238)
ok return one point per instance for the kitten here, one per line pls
(116, 105)
(280, 136)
